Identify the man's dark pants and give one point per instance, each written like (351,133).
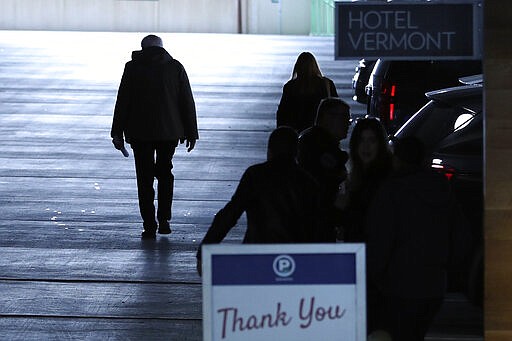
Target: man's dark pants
(147,169)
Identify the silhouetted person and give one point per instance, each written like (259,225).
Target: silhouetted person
(370,160)
(416,231)
(279,198)
(154,111)
(319,153)
(302,94)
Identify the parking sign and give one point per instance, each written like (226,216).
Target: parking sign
(284,292)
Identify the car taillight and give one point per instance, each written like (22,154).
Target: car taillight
(387,104)
(393,90)
(392,103)
(447,171)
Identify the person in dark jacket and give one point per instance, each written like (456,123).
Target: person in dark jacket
(370,159)
(319,153)
(416,231)
(154,111)
(302,94)
(279,198)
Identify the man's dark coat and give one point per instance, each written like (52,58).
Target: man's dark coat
(416,232)
(281,203)
(154,101)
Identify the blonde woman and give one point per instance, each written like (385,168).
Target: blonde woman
(302,94)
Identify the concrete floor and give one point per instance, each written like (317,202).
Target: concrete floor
(72,264)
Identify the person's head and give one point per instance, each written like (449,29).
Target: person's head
(333,114)
(282,144)
(368,144)
(408,154)
(306,66)
(150,41)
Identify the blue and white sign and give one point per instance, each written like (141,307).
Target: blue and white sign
(284,292)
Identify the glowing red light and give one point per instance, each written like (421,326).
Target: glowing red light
(392,105)
(447,171)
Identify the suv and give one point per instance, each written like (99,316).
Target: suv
(450,126)
(396,89)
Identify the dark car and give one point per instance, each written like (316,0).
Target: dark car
(396,89)
(450,126)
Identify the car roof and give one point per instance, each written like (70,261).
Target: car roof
(454,92)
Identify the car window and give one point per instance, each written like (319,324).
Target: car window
(436,121)
(467,139)
(473,146)
(462,121)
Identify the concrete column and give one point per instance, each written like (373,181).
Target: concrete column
(498,169)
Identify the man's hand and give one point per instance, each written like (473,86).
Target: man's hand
(191,143)
(118,142)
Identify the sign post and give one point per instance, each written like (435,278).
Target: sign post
(284,292)
(408,30)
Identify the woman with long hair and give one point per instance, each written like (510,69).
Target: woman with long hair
(302,94)
(370,161)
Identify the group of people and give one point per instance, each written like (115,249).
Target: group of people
(308,190)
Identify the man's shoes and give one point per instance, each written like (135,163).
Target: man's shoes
(164,228)
(146,234)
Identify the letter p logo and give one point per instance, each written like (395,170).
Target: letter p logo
(284,266)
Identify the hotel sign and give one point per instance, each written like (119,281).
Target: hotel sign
(408,30)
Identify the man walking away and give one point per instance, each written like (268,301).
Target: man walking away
(154,111)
